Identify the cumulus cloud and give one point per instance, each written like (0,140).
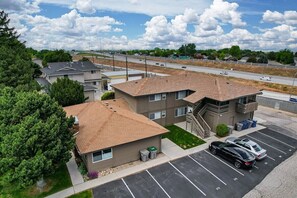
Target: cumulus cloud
(288,17)
(20,6)
(85,6)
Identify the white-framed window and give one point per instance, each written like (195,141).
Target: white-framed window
(155,97)
(242,100)
(102,155)
(93,72)
(180,95)
(163,114)
(181,111)
(163,96)
(155,115)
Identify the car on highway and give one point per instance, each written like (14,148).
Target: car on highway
(184,67)
(293,99)
(267,78)
(238,156)
(224,73)
(249,146)
(161,64)
(157,63)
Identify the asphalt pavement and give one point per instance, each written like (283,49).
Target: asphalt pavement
(203,174)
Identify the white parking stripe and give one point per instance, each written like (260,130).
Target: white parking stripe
(267,144)
(187,179)
(158,183)
(224,163)
(270,158)
(277,140)
(256,167)
(207,170)
(128,188)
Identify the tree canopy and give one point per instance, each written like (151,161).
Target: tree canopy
(55,56)
(67,92)
(285,56)
(187,49)
(16,67)
(108,95)
(235,52)
(35,136)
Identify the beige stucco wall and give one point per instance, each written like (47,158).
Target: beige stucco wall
(89,76)
(123,154)
(132,101)
(90,94)
(79,78)
(230,118)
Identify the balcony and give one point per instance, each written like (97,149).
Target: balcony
(246,108)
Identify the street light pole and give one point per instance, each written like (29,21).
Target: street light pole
(113,61)
(145,65)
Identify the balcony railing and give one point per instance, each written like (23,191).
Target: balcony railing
(246,108)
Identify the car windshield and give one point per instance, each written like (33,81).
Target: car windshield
(243,154)
(257,147)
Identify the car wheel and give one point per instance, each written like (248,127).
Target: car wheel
(237,164)
(213,151)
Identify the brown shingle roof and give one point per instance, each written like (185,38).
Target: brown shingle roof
(110,123)
(204,86)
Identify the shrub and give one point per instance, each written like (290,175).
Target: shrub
(108,95)
(222,130)
(82,169)
(93,175)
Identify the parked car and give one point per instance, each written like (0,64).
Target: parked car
(162,64)
(249,146)
(240,157)
(293,99)
(184,67)
(267,78)
(224,73)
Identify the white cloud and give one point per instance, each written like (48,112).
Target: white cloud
(288,18)
(20,6)
(85,6)
(117,30)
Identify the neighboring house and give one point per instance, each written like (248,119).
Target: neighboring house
(110,134)
(204,101)
(84,72)
(114,77)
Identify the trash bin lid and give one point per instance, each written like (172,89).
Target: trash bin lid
(144,152)
(152,148)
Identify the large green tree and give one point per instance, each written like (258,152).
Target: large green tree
(35,137)
(187,49)
(16,67)
(285,56)
(56,56)
(67,92)
(235,51)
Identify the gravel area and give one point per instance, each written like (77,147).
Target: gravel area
(282,181)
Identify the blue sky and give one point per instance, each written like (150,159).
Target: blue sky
(141,24)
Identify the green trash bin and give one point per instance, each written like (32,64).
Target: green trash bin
(153,152)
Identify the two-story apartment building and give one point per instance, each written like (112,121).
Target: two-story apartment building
(84,72)
(203,100)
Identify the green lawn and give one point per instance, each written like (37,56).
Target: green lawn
(56,182)
(84,194)
(182,138)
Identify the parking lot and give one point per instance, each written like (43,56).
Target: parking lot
(203,174)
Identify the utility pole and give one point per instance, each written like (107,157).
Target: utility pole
(295,75)
(126,69)
(113,61)
(145,65)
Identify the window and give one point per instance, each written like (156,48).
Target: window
(180,111)
(242,100)
(180,95)
(94,83)
(102,155)
(155,115)
(155,97)
(164,114)
(65,76)
(93,71)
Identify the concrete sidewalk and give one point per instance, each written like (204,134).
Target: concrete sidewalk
(171,151)
(76,177)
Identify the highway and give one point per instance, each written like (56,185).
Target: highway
(231,73)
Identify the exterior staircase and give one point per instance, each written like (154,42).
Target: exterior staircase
(198,124)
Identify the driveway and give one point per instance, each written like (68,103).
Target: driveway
(203,174)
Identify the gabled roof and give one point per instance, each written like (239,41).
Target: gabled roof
(110,123)
(68,68)
(204,86)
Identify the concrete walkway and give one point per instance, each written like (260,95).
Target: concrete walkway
(171,151)
(76,177)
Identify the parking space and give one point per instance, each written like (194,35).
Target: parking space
(203,174)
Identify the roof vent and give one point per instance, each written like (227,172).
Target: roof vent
(76,122)
(228,83)
(114,111)
(136,82)
(114,100)
(106,104)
